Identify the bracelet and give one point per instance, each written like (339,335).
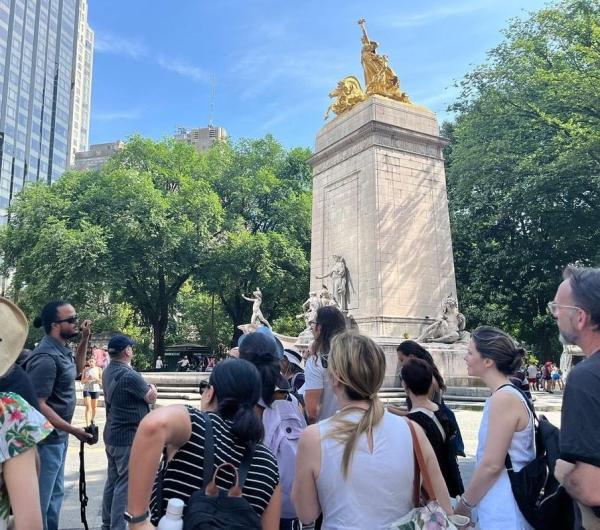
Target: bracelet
(464,501)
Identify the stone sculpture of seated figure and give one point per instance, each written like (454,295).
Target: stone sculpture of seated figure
(449,328)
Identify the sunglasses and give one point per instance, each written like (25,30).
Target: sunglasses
(70,320)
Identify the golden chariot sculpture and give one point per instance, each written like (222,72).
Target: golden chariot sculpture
(380,79)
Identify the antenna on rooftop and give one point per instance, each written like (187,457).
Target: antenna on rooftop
(211,106)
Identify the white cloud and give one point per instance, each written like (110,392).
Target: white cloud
(127,114)
(113,44)
(183,68)
(134,49)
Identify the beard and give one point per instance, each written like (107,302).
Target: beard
(67,336)
(568,338)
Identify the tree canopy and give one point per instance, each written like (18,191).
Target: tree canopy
(523,170)
(160,216)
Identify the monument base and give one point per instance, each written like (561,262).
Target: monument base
(449,358)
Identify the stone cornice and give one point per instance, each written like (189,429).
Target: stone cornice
(380,134)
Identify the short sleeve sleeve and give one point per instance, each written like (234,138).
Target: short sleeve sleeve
(41,369)
(135,385)
(580,418)
(21,426)
(313,375)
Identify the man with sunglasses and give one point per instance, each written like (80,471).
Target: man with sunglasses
(576,308)
(52,368)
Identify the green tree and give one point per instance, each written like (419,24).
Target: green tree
(523,170)
(135,231)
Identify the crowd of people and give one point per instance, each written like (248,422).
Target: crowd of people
(295,447)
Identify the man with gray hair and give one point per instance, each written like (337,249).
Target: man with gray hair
(576,308)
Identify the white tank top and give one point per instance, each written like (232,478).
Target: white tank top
(498,509)
(378,490)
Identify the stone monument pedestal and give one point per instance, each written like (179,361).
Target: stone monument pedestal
(379,201)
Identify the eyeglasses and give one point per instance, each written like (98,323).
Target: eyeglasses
(553,306)
(70,320)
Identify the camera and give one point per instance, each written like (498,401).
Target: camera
(92,429)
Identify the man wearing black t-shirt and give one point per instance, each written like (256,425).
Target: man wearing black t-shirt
(576,308)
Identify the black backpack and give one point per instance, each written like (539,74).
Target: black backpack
(212,508)
(542,500)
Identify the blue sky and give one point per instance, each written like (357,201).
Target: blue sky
(273,61)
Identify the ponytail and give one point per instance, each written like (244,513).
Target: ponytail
(237,389)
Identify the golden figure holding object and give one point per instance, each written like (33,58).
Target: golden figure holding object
(380,79)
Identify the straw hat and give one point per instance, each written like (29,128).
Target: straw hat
(13,333)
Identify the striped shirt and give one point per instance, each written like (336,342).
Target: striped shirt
(182,476)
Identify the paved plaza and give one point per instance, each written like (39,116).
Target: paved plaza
(95,458)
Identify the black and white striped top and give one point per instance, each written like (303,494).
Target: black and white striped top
(183,474)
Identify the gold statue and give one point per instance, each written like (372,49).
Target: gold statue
(380,80)
(348,94)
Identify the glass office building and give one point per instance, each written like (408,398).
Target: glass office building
(38,50)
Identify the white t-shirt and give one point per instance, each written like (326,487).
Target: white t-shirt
(159,364)
(532,371)
(316,379)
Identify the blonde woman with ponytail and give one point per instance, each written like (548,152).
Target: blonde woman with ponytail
(357,467)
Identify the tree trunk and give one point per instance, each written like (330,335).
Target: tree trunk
(159,328)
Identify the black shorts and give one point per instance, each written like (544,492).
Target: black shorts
(93,395)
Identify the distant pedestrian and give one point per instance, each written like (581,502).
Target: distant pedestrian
(532,371)
(576,308)
(158,365)
(127,398)
(52,370)
(92,384)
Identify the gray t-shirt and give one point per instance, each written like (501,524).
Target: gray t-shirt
(51,369)
(124,394)
(316,379)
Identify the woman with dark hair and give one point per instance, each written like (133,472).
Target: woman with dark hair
(417,377)
(353,467)
(506,429)
(409,349)
(230,398)
(319,399)
(281,415)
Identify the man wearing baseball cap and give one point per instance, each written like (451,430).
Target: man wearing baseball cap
(127,398)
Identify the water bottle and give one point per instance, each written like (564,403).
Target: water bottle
(172,520)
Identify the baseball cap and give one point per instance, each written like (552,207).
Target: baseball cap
(118,343)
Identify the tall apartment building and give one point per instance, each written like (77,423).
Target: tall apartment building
(201,139)
(79,132)
(38,55)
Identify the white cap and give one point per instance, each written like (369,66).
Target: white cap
(175,506)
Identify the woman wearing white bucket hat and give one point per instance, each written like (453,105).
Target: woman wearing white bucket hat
(21,428)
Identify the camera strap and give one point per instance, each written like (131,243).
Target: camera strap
(83,498)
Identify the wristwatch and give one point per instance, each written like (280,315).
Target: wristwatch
(133,519)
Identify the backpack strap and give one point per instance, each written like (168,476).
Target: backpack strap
(209,456)
(507,460)
(208,463)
